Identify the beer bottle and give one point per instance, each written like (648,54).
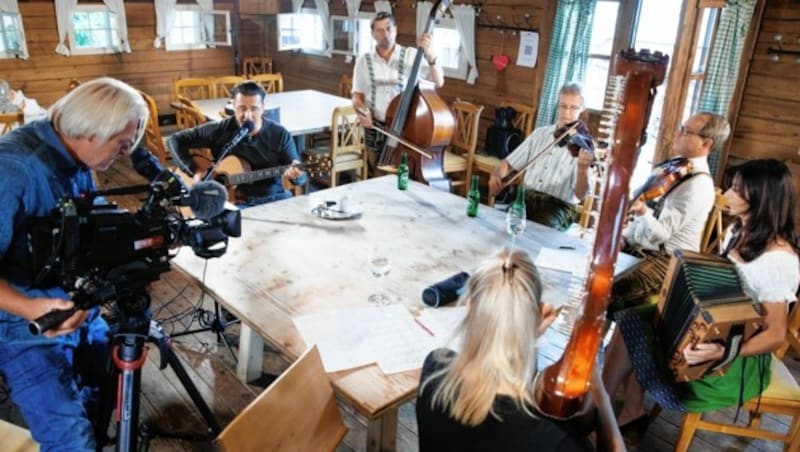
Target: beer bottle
(402,172)
(473,198)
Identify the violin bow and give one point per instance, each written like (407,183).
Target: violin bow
(510,180)
(402,141)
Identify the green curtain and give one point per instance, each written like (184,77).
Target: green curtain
(569,51)
(723,63)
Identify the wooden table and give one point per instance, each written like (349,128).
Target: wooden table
(289,262)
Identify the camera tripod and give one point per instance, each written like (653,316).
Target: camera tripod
(217,325)
(134,327)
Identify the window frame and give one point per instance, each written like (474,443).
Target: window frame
(461,71)
(200,43)
(298,48)
(111,47)
(355,46)
(19,35)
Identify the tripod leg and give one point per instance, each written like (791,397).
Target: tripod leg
(173,361)
(129,358)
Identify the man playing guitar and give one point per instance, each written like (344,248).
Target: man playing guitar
(267,145)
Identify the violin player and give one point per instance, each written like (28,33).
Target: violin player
(685,190)
(557,181)
(379,76)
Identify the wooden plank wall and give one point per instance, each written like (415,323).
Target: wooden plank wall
(768,125)
(45,75)
(516,83)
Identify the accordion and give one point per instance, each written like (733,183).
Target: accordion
(702,300)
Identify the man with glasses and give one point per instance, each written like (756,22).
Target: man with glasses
(676,219)
(267,145)
(41,163)
(556,181)
(379,76)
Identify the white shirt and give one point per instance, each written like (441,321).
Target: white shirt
(554,173)
(386,78)
(683,216)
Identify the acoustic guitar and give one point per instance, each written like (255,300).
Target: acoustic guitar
(233,171)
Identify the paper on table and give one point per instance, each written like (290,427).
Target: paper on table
(398,342)
(561,260)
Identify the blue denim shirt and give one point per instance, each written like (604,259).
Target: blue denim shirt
(35,172)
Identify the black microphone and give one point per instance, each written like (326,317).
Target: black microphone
(206,199)
(445,291)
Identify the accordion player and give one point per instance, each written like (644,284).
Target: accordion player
(702,300)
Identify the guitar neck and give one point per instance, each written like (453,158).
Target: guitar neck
(256,175)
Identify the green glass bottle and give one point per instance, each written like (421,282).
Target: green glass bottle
(473,198)
(402,172)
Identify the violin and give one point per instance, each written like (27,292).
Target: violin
(665,176)
(581,138)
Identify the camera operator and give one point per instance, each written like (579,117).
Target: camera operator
(40,163)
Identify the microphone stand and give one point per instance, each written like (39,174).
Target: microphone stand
(243,132)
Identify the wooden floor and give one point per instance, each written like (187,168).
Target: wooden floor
(164,401)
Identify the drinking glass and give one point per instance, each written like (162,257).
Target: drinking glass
(379,265)
(515,221)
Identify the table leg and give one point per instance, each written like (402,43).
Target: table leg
(251,354)
(382,432)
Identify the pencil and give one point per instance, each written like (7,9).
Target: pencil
(424,327)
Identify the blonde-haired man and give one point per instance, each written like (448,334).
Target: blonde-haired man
(40,163)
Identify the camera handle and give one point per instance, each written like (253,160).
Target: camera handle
(128,355)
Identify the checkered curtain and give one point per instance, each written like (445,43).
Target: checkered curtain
(569,52)
(723,62)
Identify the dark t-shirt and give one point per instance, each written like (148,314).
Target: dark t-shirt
(518,431)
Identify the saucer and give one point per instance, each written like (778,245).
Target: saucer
(330,211)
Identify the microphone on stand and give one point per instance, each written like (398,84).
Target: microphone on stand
(246,128)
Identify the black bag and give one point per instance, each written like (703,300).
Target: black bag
(502,137)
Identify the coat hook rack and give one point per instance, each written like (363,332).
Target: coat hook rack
(776,52)
(500,25)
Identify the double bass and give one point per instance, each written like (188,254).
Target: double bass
(420,118)
(559,390)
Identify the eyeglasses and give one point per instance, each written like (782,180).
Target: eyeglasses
(569,107)
(683,130)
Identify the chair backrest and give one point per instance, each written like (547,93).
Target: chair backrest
(188,114)
(712,234)
(468,117)
(73,83)
(8,120)
(193,88)
(792,333)
(256,65)
(224,85)
(152,133)
(272,83)
(523,119)
(297,411)
(346,85)
(346,133)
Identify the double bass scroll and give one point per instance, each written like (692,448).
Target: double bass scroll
(559,390)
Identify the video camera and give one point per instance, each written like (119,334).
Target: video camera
(99,252)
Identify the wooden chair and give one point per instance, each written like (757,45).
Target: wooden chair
(16,439)
(782,396)
(152,133)
(73,83)
(712,234)
(458,158)
(193,88)
(523,118)
(10,120)
(187,113)
(224,85)
(792,332)
(256,65)
(272,83)
(346,152)
(297,411)
(590,207)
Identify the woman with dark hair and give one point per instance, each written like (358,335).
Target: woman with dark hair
(763,244)
(481,398)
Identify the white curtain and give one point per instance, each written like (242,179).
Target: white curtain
(297,5)
(423,11)
(464,16)
(64,10)
(165,17)
(325,15)
(384,6)
(118,7)
(352,7)
(11,6)
(206,6)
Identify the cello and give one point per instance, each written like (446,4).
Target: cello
(419,116)
(560,388)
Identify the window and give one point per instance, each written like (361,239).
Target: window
(702,51)
(352,36)
(447,46)
(600,49)
(301,31)
(195,29)
(94,30)
(10,35)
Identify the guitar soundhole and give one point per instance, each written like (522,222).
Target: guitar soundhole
(222,179)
